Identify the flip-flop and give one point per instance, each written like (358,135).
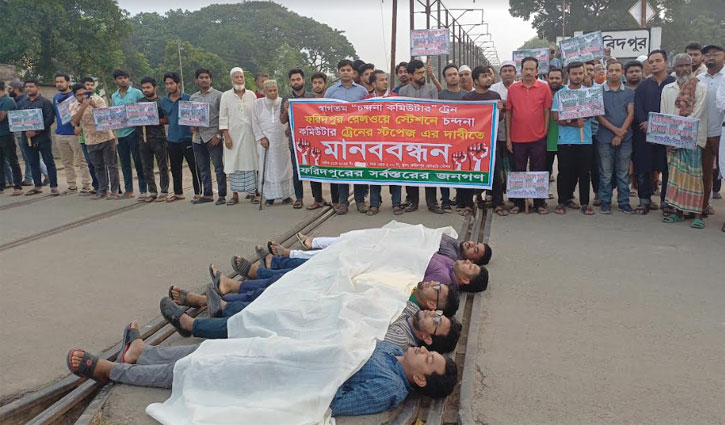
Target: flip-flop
(183,300)
(697,224)
(269,247)
(242,267)
(215,277)
(301,240)
(673,218)
(213,302)
(172,313)
(86,367)
(261,254)
(129,335)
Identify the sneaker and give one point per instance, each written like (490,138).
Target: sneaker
(605,209)
(626,209)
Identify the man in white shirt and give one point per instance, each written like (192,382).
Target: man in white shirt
(713,78)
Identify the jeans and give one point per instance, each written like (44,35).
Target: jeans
(177,152)
(343,192)
(204,154)
(595,177)
(251,289)
(497,183)
(9,159)
(446,196)
(103,158)
(216,328)
(45,150)
(575,162)
(150,150)
(154,367)
(127,148)
(296,182)
(413,196)
(530,156)
(644,186)
(91,169)
(614,160)
(26,158)
(8,173)
(376,198)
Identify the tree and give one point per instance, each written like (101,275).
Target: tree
(535,43)
(193,58)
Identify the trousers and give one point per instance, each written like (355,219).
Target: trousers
(154,367)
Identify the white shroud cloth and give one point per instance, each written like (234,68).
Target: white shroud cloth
(278,175)
(304,336)
(236,115)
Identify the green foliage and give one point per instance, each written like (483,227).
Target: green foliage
(535,43)
(192,59)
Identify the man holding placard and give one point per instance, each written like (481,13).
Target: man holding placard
(39,140)
(7,143)
(71,153)
(686,97)
(153,141)
(127,138)
(574,144)
(101,145)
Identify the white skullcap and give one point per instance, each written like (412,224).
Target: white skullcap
(235,70)
(464,68)
(641,58)
(506,63)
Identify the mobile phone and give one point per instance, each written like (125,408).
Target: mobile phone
(88,95)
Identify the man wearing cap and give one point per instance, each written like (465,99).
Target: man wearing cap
(465,73)
(507,72)
(713,79)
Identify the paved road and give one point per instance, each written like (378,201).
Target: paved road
(603,320)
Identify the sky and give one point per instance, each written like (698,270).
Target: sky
(367,23)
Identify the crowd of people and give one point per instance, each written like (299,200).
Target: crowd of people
(249,145)
(409,358)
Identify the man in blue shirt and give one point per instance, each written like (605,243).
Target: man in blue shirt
(128,139)
(70,150)
(347,89)
(614,139)
(179,138)
(574,147)
(7,143)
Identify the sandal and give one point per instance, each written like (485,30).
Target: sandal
(466,211)
(298,204)
(215,277)
(86,367)
(572,204)
(302,238)
(642,209)
(316,205)
(256,200)
(261,254)
(372,211)
(542,210)
(232,201)
(673,218)
(241,266)
(172,313)
(697,224)
(501,211)
(560,209)
(33,192)
(183,300)
(515,210)
(129,335)
(587,210)
(213,301)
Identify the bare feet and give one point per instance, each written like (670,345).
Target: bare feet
(252,274)
(190,299)
(227,285)
(278,249)
(187,322)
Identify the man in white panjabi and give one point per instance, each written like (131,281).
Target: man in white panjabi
(276,169)
(240,146)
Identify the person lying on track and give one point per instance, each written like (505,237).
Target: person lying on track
(382,383)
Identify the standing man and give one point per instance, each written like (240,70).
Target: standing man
(466,76)
(153,145)
(575,147)
(297,83)
(240,147)
(419,89)
(507,72)
(207,141)
(259,80)
(71,153)
(127,137)
(101,145)
(39,141)
(7,143)
(179,138)
(527,122)
(686,97)
(16,92)
(712,78)
(453,91)
(274,156)
(319,86)
(90,85)
(365,71)
(694,50)
(649,157)
(346,89)
(633,74)
(614,140)
(555,78)
(401,71)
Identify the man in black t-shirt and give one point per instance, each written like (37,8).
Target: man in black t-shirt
(153,144)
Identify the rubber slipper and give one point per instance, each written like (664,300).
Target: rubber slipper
(86,367)
(673,218)
(242,267)
(172,313)
(129,335)
(215,277)
(183,300)
(261,254)
(301,239)
(697,224)
(213,302)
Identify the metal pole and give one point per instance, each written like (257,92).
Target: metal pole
(427,26)
(644,13)
(412,15)
(454,45)
(563,18)
(440,63)
(448,56)
(393,74)
(181,68)
(460,43)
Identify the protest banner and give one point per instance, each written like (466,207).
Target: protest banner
(542,55)
(413,142)
(528,185)
(582,103)
(64,109)
(142,113)
(194,114)
(111,118)
(26,120)
(672,130)
(433,42)
(582,48)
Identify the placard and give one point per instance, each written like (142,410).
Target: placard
(527,185)
(142,113)
(582,103)
(582,48)
(193,114)
(111,118)
(433,42)
(26,120)
(542,55)
(64,109)
(414,142)
(628,43)
(672,130)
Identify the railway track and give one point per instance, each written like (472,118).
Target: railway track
(76,400)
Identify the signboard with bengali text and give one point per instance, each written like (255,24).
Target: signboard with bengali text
(433,42)
(193,114)
(142,113)
(582,48)
(413,142)
(64,109)
(672,130)
(26,120)
(542,55)
(528,185)
(111,118)
(582,103)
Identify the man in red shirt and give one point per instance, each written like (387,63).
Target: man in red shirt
(527,122)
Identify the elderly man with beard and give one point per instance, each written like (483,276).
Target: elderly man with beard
(240,147)
(466,75)
(686,97)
